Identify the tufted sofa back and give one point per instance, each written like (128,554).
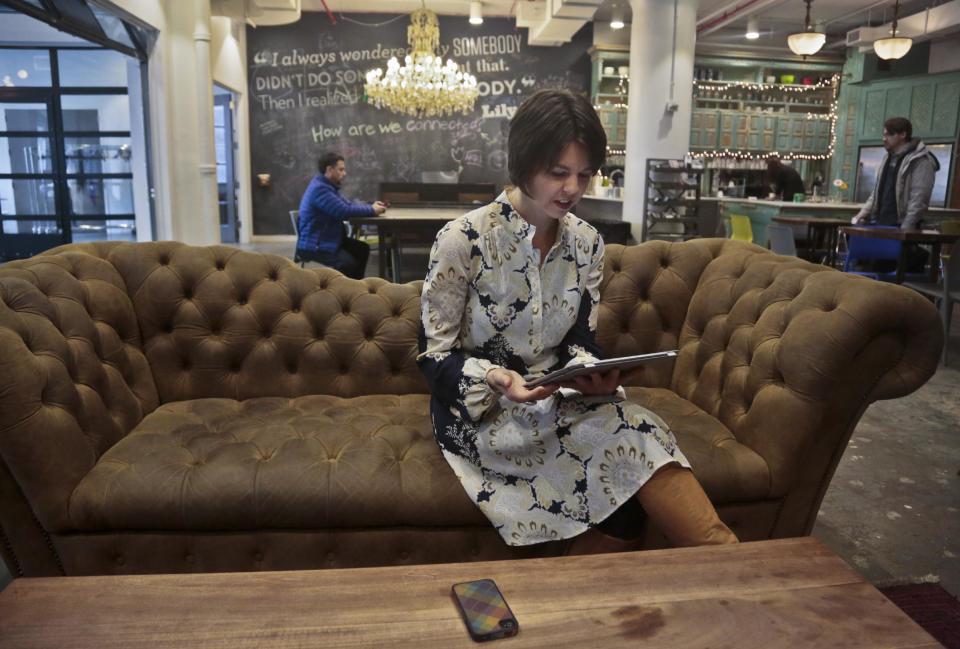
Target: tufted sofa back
(73,377)
(764,338)
(217,321)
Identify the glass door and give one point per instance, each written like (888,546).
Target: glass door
(31,214)
(226,176)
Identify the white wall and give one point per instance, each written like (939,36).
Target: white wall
(228,49)
(181,134)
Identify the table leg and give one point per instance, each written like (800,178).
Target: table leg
(382,250)
(901,263)
(935,262)
(833,242)
(395,260)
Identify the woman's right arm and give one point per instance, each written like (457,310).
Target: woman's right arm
(457,380)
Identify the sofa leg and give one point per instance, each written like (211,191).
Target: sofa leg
(678,506)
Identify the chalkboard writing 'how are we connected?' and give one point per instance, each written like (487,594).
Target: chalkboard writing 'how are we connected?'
(306,97)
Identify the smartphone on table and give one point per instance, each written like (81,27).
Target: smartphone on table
(484,610)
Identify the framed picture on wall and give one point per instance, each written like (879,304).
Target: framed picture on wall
(871,157)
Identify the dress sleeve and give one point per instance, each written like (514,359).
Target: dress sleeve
(580,342)
(456,379)
(579,345)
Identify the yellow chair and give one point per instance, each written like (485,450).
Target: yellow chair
(950,226)
(740,229)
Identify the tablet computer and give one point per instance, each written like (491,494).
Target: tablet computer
(605,365)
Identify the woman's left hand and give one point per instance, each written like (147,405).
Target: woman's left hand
(595,383)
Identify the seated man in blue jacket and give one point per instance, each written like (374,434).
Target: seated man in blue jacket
(323,212)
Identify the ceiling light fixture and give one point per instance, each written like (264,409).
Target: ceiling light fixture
(894,47)
(476,13)
(616,18)
(753,29)
(423,86)
(808,41)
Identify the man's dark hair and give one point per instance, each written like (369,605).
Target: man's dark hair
(329,159)
(896,125)
(544,125)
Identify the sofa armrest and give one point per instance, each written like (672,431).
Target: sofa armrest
(784,352)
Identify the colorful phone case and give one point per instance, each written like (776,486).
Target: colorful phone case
(485,610)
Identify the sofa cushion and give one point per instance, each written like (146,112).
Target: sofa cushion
(729,471)
(325,461)
(276,463)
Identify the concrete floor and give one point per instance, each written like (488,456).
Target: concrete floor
(891,511)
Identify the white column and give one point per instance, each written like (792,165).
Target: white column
(183,127)
(207,158)
(659,74)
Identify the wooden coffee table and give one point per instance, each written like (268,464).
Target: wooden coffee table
(785,593)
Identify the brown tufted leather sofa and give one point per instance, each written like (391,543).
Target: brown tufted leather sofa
(167,408)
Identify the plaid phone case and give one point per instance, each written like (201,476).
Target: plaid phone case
(483,607)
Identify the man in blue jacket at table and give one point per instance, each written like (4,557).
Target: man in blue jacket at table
(323,213)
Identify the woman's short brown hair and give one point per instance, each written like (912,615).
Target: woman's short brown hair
(546,122)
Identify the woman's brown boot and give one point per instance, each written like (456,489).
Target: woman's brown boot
(678,506)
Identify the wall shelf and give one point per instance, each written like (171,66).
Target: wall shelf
(671,201)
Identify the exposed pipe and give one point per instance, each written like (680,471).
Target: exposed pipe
(741,10)
(718,12)
(857,12)
(333,20)
(673,59)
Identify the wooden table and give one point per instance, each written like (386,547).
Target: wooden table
(785,593)
(828,227)
(909,237)
(420,224)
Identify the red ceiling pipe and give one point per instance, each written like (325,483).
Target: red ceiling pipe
(330,15)
(726,15)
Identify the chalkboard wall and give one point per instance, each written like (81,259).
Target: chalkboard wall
(306,97)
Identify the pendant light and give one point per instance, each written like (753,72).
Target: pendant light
(808,41)
(616,18)
(476,13)
(894,47)
(753,29)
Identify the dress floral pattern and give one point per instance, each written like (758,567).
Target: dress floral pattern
(539,471)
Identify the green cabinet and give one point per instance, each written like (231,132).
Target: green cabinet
(759,118)
(614,121)
(608,88)
(704,127)
(758,132)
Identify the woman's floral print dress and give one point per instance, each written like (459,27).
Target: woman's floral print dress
(539,471)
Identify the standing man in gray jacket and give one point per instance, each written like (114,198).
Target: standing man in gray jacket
(904,182)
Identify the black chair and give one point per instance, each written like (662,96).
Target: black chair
(295,222)
(946,292)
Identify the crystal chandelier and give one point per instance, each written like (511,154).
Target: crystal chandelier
(423,86)
(808,41)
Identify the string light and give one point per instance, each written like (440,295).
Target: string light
(750,85)
(832,116)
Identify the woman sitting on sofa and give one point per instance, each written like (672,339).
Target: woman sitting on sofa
(512,290)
